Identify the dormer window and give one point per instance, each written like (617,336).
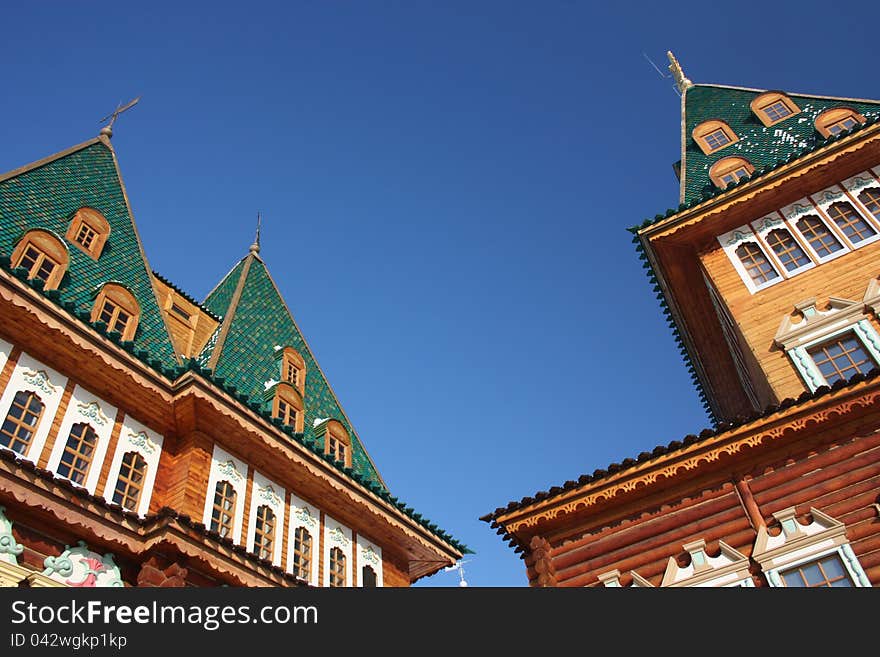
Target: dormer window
(773,107)
(287,406)
(712,136)
(88,231)
(118,309)
(837,120)
(293,369)
(730,170)
(337,442)
(43,255)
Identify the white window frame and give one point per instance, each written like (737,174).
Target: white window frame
(855,186)
(265,492)
(731,240)
(303,514)
(337,535)
(831,195)
(805,364)
(225,467)
(767,225)
(135,437)
(729,569)
(367,552)
(796,211)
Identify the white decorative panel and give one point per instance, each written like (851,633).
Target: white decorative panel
(303,514)
(225,467)
(85,407)
(5,350)
(135,437)
(369,554)
(336,535)
(267,493)
(31,375)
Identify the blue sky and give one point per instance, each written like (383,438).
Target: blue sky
(445,190)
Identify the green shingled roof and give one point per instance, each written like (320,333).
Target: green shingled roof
(761,145)
(257,326)
(46,196)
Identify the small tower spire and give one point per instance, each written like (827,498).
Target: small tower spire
(255,247)
(675,68)
(107,130)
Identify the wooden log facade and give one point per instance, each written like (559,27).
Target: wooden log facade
(785,490)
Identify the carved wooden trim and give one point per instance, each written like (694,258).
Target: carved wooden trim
(541,552)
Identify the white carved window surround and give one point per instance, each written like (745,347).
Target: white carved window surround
(135,437)
(308,518)
(797,544)
(30,375)
(369,554)
(611,579)
(85,408)
(840,196)
(336,535)
(729,569)
(734,242)
(842,318)
(225,467)
(265,492)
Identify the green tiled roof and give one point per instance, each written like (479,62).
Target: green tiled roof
(763,146)
(260,325)
(46,196)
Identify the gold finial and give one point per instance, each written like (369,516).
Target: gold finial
(255,247)
(675,68)
(107,130)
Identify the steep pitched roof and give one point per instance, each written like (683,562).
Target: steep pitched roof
(763,146)
(45,195)
(245,350)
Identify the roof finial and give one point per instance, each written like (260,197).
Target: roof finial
(680,80)
(255,247)
(107,130)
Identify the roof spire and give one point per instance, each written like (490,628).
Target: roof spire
(107,130)
(255,247)
(680,80)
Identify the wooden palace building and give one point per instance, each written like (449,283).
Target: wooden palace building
(769,274)
(149,439)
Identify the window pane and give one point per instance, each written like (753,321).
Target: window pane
(757,266)
(851,222)
(819,236)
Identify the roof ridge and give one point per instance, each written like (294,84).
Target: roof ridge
(186,296)
(789,93)
(233,306)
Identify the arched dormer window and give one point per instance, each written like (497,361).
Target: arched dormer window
(288,406)
(88,231)
(43,255)
(729,170)
(712,136)
(337,442)
(837,120)
(773,106)
(118,309)
(293,369)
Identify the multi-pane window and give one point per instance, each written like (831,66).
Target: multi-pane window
(264,532)
(776,111)
(871,200)
(78,453)
(759,269)
(786,248)
(819,236)
(38,263)
(850,222)
(21,421)
(223,511)
(842,125)
(337,567)
(337,448)
(734,176)
(113,316)
(130,482)
(286,412)
(716,139)
(368,577)
(828,571)
(841,358)
(291,373)
(302,553)
(85,236)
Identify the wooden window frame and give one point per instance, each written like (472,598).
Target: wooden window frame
(727,165)
(336,436)
(834,116)
(125,478)
(223,512)
(264,539)
(767,259)
(832,230)
(817,561)
(97,223)
(50,248)
(706,128)
(760,104)
(303,552)
(874,198)
(287,395)
(836,340)
(336,568)
(19,422)
(291,358)
(859,216)
(123,299)
(77,454)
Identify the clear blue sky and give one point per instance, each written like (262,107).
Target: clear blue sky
(445,189)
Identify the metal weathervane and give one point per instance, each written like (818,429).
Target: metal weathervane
(107,130)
